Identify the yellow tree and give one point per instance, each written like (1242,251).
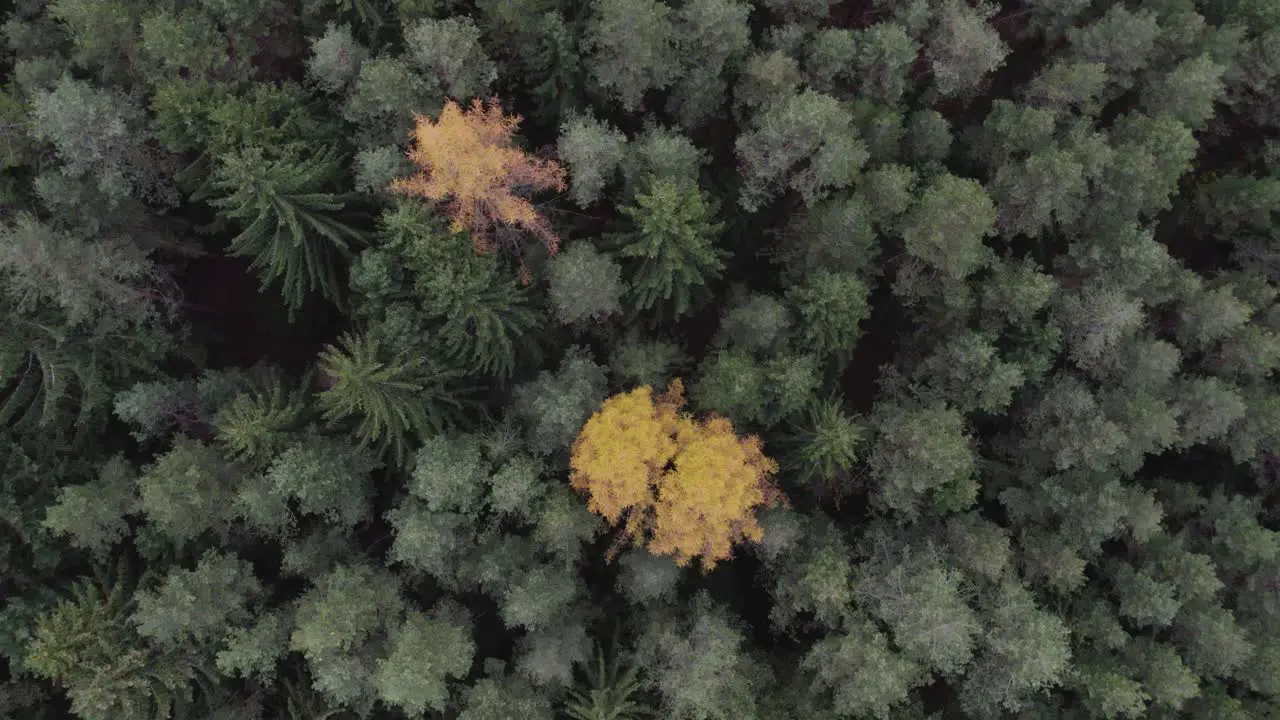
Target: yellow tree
(685,487)
(467,162)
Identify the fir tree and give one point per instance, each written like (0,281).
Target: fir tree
(291,229)
(672,250)
(394,400)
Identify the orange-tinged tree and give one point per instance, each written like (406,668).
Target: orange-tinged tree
(467,161)
(685,487)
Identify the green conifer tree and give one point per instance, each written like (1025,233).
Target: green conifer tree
(290,226)
(394,400)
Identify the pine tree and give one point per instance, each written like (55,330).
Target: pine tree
(608,690)
(393,400)
(87,646)
(825,445)
(257,424)
(424,290)
(291,229)
(672,250)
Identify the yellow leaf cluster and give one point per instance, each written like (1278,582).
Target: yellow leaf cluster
(467,161)
(688,488)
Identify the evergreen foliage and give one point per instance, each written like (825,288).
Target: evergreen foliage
(290,226)
(990,290)
(393,400)
(671,252)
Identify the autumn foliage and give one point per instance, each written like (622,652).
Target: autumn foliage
(685,487)
(467,161)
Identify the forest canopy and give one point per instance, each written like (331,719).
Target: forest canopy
(621,359)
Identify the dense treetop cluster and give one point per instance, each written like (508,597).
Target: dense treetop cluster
(619,359)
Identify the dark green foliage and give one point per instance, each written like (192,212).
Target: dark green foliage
(554,407)
(197,605)
(187,41)
(995,285)
(804,143)
(946,227)
(764,76)
(426,652)
(95,513)
(585,284)
(383,98)
(608,690)
(449,51)
(593,151)
(963,47)
(289,224)
(968,372)
(698,665)
(831,307)
(393,400)
(114,155)
(672,251)
(325,478)
(83,317)
(904,587)
(87,646)
(840,234)
(660,154)
(826,444)
(425,291)
(630,49)
(256,424)
(712,35)
(645,363)
(1025,651)
(755,390)
(335,59)
(504,697)
(860,672)
(922,456)
(188,490)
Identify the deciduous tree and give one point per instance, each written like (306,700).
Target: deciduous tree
(384,98)
(806,143)
(95,514)
(630,48)
(467,161)
(553,407)
(335,59)
(1025,650)
(594,152)
(922,456)
(699,666)
(699,508)
(910,589)
(946,228)
(198,605)
(449,52)
(426,653)
(963,47)
(584,284)
(98,134)
(859,670)
(189,490)
(325,477)
(711,37)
